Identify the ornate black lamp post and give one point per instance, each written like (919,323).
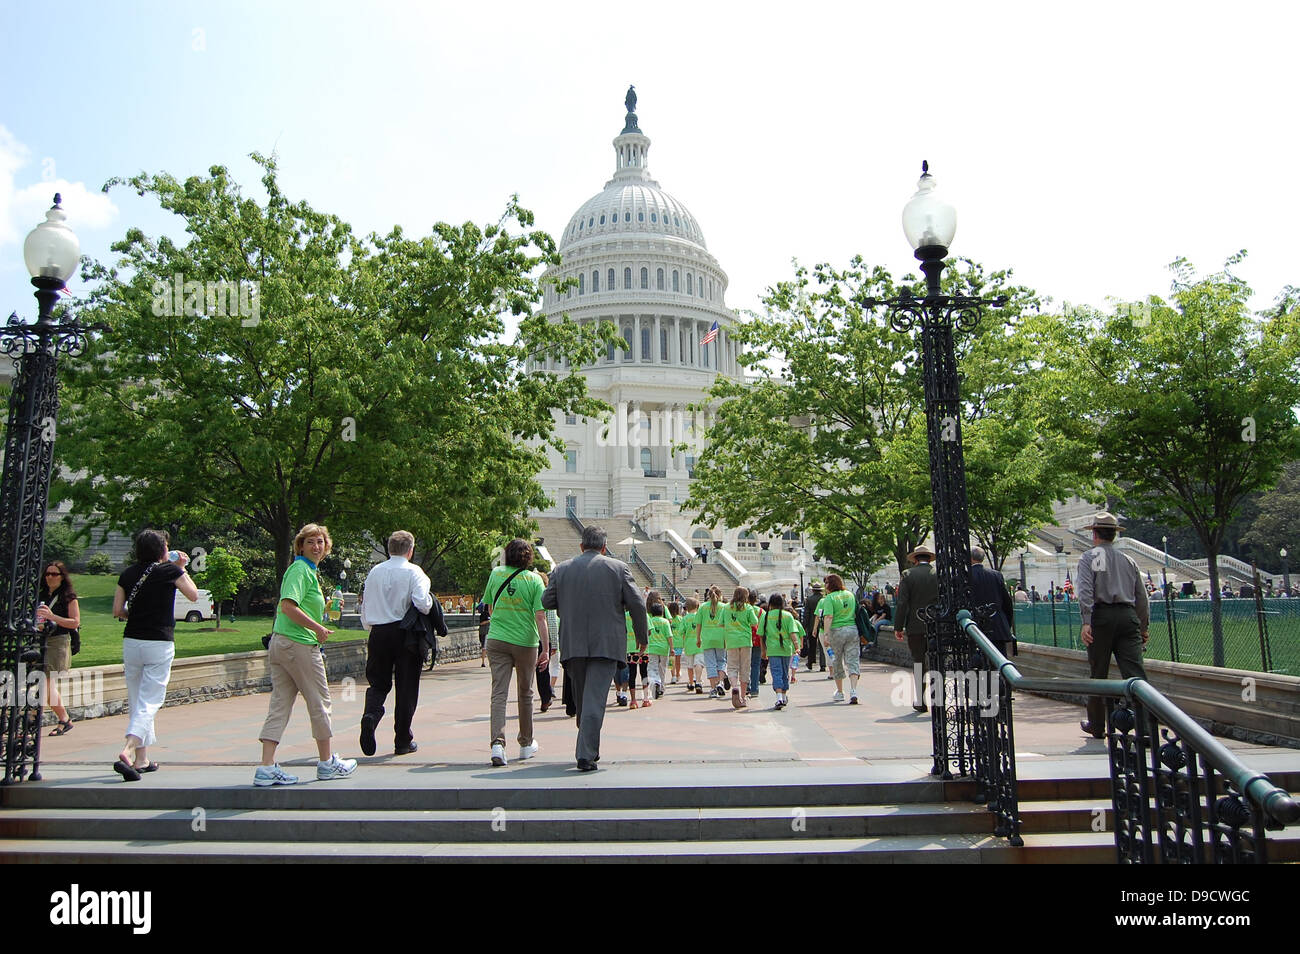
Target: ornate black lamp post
(930,224)
(52,253)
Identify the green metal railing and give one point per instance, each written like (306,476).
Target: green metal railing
(1173,784)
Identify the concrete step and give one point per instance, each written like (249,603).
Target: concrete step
(500,824)
(563,792)
(1083,848)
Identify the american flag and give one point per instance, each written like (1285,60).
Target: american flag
(713,333)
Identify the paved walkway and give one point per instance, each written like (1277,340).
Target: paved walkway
(451,727)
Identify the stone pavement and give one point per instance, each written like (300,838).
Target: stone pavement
(451,727)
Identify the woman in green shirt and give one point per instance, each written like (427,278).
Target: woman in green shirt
(741,618)
(297,667)
(839,633)
(518,641)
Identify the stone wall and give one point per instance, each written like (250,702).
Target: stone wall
(1252,706)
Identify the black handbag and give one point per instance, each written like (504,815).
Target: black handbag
(74,637)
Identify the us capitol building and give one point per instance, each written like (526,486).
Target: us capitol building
(635,256)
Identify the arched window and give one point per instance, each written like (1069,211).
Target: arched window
(602,218)
(645,278)
(640,216)
(663,344)
(701,534)
(595,281)
(690,284)
(746,541)
(609,351)
(701,286)
(627,216)
(591,221)
(609,280)
(627,278)
(654,217)
(645,344)
(659,279)
(677,280)
(582,284)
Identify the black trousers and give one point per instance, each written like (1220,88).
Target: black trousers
(544,691)
(1115,630)
(566,693)
(388,661)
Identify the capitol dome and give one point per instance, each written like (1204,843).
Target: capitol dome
(635,257)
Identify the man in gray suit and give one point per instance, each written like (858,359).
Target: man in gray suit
(591,592)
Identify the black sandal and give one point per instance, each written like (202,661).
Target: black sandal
(63,728)
(128,773)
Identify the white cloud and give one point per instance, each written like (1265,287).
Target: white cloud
(21,209)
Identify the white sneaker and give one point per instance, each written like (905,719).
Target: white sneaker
(335,768)
(838,697)
(498,755)
(273,775)
(527,751)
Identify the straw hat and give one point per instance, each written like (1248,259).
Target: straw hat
(1103,519)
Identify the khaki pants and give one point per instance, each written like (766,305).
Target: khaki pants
(296,668)
(502,659)
(738,666)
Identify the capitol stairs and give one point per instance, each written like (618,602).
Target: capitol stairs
(563,540)
(628,812)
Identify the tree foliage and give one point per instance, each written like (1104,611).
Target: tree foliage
(222,577)
(370,391)
(830,437)
(1190,403)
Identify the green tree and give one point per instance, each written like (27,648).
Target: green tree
(62,543)
(222,577)
(1190,403)
(1277,524)
(831,437)
(364,387)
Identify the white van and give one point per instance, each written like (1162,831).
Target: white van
(194,611)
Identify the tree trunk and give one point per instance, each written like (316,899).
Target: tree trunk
(1216,604)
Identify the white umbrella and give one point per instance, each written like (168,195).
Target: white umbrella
(629,542)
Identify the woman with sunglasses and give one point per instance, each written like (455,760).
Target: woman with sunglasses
(60,609)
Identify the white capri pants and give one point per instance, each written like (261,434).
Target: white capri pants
(146,667)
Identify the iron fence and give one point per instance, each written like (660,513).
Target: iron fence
(1260,635)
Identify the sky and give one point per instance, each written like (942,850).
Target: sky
(1084,146)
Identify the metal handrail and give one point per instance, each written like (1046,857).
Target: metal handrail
(573,519)
(636,557)
(1276,804)
(674,593)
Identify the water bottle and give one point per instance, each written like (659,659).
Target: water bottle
(830,655)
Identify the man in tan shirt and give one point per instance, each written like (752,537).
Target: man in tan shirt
(1114,611)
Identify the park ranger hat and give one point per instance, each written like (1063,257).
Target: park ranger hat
(922,550)
(1103,519)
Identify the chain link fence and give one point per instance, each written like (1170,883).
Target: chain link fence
(1258,635)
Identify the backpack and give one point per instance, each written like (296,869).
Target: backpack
(862,619)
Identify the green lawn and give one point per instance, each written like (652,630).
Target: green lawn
(1194,636)
(101,635)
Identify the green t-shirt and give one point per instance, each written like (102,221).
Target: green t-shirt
(514,618)
(777,630)
(740,626)
(686,637)
(661,631)
(839,606)
(301,585)
(712,625)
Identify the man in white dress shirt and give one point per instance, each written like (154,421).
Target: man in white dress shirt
(391,589)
